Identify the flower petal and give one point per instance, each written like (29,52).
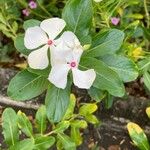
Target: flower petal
(77,52)
(53,27)
(70,39)
(38,59)
(35,37)
(58,75)
(83,79)
(60,55)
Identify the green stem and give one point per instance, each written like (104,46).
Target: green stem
(43,8)
(38,15)
(147,13)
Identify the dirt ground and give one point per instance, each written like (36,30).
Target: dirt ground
(112,133)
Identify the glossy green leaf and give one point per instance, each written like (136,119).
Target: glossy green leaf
(66,141)
(135,16)
(57,101)
(41,119)
(10,127)
(144,64)
(31,23)
(76,136)
(71,107)
(123,66)
(108,42)
(92,119)
(24,124)
(26,85)
(27,144)
(109,99)
(148,112)
(44,72)
(96,94)
(15,26)
(44,143)
(79,124)
(19,45)
(138,136)
(146,77)
(2,18)
(61,127)
(75,14)
(87,109)
(106,78)
(146,32)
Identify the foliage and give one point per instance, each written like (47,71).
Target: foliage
(117,51)
(137,134)
(41,133)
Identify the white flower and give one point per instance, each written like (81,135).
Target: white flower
(42,37)
(65,57)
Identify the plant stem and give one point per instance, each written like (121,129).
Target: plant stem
(43,8)
(147,13)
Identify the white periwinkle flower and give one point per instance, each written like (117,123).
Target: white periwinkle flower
(65,57)
(41,38)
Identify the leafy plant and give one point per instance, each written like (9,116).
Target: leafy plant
(43,134)
(137,134)
(103,46)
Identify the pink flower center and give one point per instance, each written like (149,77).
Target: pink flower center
(73,64)
(49,42)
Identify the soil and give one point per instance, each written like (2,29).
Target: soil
(112,133)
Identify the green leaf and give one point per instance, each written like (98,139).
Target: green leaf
(71,107)
(44,72)
(31,23)
(75,14)
(87,109)
(10,127)
(66,141)
(76,136)
(2,19)
(123,66)
(9,34)
(3,27)
(108,101)
(106,78)
(15,26)
(96,94)
(44,143)
(41,119)
(24,124)
(108,42)
(61,127)
(26,85)
(146,77)
(146,33)
(135,16)
(144,64)
(57,101)
(27,144)
(92,119)
(19,45)
(148,112)
(138,136)
(79,124)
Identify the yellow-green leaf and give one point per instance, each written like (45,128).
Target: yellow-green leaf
(138,136)
(87,109)
(148,112)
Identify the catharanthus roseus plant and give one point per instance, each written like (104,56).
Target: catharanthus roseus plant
(65,53)
(57,59)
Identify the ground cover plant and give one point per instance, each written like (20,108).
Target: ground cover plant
(64,47)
